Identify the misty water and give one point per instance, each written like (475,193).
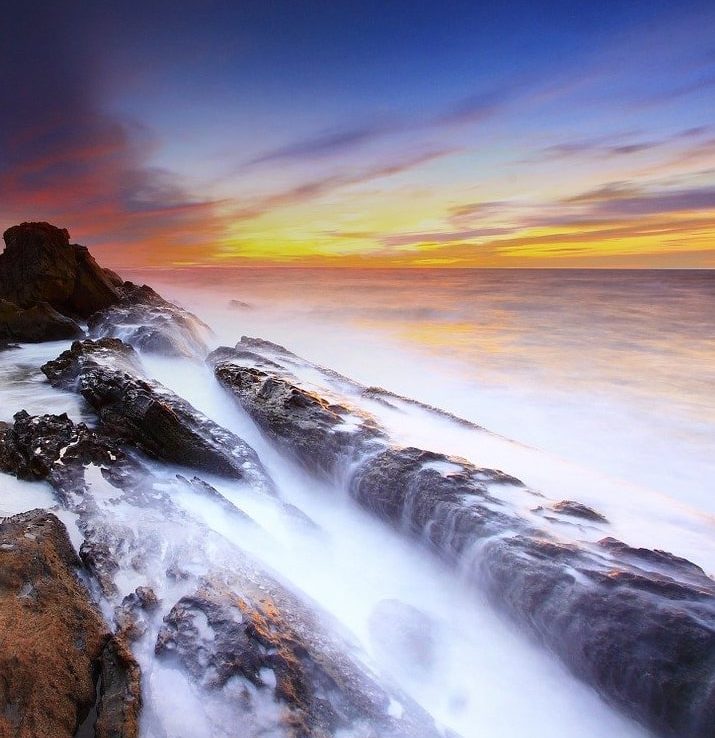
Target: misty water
(598,387)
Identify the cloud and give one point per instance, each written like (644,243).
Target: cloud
(315,188)
(64,158)
(414,239)
(614,145)
(324,144)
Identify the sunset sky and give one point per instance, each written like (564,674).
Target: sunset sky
(361,133)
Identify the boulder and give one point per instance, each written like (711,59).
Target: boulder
(53,641)
(40,264)
(260,635)
(41,322)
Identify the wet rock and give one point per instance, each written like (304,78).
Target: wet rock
(152,324)
(651,653)
(40,322)
(578,510)
(53,640)
(147,415)
(40,264)
(232,631)
(403,635)
(639,626)
(120,699)
(322,435)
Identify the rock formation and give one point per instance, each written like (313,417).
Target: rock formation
(40,264)
(643,636)
(53,641)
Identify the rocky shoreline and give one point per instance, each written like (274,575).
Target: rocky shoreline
(636,624)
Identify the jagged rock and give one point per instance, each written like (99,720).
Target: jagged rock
(40,264)
(41,322)
(52,639)
(578,510)
(152,324)
(120,699)
(268,639)
(147,415)
(322,435)
(643,635)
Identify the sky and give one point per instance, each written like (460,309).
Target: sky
(366,134)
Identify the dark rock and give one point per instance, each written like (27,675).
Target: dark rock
(323,436)
(150,417)
(268,639)
(120,700)
(645,639)
(40,264)
(578,510)
(53,640)
(41,322)
(152,324)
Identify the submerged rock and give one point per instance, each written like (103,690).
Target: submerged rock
(578,510)
(152,324)
(41,322)
(53,641)
(232,632)
(40,264)
(643,635)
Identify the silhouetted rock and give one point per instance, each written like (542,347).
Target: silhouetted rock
(40,264)
(54,641)
(150,323)
(41,322)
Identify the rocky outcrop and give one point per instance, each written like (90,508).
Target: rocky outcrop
(107,374)
(53,641)
(270,641)
(241,637)
(34,324)
(150,323)
(40,264)
(639,626)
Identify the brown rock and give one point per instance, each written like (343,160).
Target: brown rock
(40,264)
(51,634)
(53,641)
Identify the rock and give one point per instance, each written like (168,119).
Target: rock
(403,635)
(239,305)
(322,435)
(578,510)
(41,322)
(147,415)
(40,264)
(52,638)
(241,634)
(277,649)
(639,627)
(151,324)
(120,700)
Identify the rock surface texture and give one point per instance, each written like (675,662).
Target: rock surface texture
(638,625)
(53,641)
